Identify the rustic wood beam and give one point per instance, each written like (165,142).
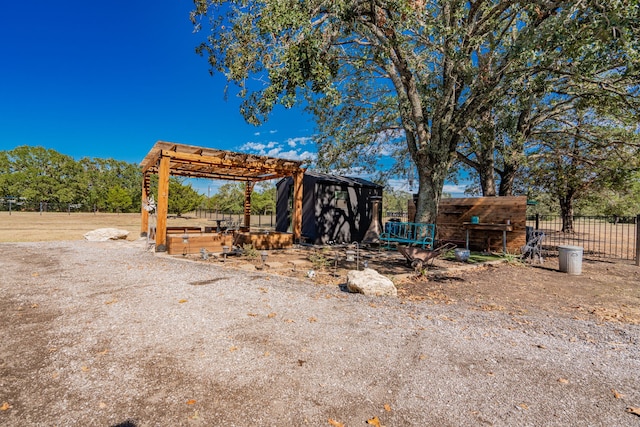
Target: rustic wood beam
(297,205)
(248,189)
(241,163)
(162,204)
(144,223)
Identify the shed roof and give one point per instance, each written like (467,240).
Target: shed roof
(345,180)
(201,162)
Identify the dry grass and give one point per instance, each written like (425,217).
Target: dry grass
(598,238)
(49,226)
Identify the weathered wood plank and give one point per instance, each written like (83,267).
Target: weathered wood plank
(490,210)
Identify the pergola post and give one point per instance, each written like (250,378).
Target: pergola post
(170,159)
(162,204)
(248,189)
(144,223)
(297,205)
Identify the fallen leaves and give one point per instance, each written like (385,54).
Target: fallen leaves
(632,410)
(5,406)
(616,394)
(563,381)
(375,421)
(387,407)
(191,402)
(182,301)
(492,307)
(335,423)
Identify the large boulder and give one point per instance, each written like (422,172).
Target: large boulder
(370,282)
(104,234)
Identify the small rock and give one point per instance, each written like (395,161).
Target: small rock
(370,282)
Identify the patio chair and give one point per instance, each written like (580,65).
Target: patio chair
(533,249)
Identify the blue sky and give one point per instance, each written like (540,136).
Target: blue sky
(109,79)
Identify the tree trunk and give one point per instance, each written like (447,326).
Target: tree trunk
(487,178)
(486,154)
(431,176)
(513,157)
(566,211)
(507,179)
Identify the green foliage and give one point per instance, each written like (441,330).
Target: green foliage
(249,251)
(588,154)
(623,202)
(37,174)
(263,202)
(118,199)
(182,198)
(410,79)
(395,200)
(320,259)
(228,199)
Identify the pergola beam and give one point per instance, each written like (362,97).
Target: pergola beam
(166,159)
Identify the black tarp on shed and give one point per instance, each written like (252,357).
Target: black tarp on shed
(334,208)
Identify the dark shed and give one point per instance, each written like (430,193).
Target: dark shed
(334,208)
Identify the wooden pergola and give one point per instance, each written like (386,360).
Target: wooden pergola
(167,158)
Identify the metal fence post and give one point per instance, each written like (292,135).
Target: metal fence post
(638,240)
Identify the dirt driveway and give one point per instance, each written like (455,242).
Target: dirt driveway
(109,334)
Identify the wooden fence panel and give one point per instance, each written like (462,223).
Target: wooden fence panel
(453,213)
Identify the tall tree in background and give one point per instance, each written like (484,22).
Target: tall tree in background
(182,197)
(592,66)
(400,77)
(263,199)
(584,152)
(228,199)
(40,175)
(118,199)
(102,174)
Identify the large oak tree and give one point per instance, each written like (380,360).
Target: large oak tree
(408,78)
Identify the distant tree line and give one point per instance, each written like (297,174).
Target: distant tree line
(33,178)
(38,176)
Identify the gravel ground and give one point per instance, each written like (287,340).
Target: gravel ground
(107,334)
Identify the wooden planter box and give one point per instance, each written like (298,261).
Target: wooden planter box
(212,242)
(270,240)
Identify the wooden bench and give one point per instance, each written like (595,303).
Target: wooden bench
(411,233)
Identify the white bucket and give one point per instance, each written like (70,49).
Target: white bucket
(570,259)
